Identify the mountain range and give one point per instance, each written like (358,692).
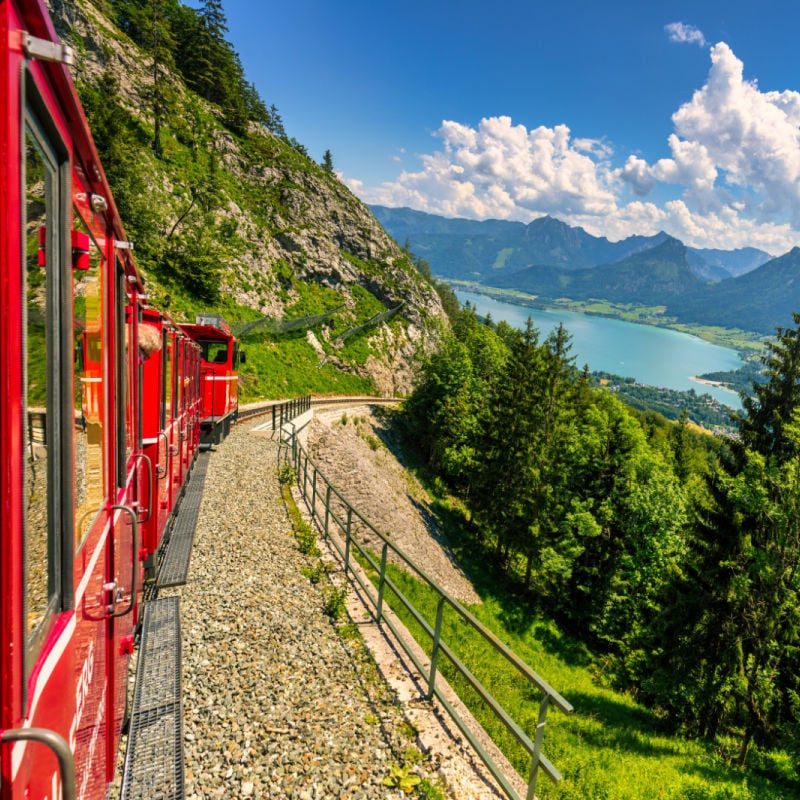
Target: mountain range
(744,288)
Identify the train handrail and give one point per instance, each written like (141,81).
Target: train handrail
(135,564)
(60,748)
(150,492)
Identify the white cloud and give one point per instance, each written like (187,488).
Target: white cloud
(734,165)
(685,34)
(736,146)
(503,170)
(638,175)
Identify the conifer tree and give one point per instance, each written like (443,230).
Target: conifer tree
(733,615)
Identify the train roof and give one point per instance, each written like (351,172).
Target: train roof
(205,332)
(85,159)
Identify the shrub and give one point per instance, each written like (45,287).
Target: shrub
(335,602)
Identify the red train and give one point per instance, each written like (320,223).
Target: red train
(219,379)
(103,403)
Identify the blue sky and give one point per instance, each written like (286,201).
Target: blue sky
(622,117)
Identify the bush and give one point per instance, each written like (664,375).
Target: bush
(287,475)
(307,538)
(335,602)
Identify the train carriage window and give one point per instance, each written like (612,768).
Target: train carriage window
(125,367)
(89,388)
(45,170)
(169,379)
(215,352)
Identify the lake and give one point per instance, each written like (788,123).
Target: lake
(655,356)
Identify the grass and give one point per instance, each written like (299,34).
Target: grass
(611,747)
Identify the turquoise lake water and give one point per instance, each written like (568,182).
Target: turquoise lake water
(655,356)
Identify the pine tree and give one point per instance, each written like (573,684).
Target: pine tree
(772,404)
(327,161)
(733,615)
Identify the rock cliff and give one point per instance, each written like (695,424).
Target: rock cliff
(293,232)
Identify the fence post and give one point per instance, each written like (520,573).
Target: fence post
(273,417)
(327,507)
(537,746)
(382,582)
(314,514)
(437,634)
(347,540)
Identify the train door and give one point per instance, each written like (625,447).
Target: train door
(183,444)
(129,479)
(172,412)
(196,388)
(150,427)
(100,588)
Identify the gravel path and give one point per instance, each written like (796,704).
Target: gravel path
(278,704)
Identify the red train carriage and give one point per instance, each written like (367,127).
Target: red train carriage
(219,379)
(100,407)
(169,380)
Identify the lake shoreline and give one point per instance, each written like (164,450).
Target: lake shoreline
(719,384)
(655,356)
(746,343)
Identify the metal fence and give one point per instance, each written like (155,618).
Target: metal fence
(332,512)
(281,412)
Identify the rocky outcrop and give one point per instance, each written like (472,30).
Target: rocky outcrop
(295,223)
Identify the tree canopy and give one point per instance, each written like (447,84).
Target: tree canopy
(675,556)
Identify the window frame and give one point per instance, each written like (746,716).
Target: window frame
(37,123)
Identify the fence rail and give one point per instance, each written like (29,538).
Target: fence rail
(328,508)
(281,412)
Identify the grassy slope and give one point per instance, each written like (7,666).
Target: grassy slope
(611,747)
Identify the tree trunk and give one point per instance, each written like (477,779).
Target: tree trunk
(746,742)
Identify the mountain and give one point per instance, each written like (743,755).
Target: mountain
(474,250)
(653,277)
(228,213)
(760,300)
(728,263)
(469,249)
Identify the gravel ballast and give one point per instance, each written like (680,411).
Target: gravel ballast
(277,703)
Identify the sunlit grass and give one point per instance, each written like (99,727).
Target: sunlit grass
(611,746)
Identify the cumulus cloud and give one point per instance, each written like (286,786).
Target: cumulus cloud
(504,170)
(733,170)
(736,145)
(638,175)
(685,34)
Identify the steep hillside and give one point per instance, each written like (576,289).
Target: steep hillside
(229,215)
(760,301)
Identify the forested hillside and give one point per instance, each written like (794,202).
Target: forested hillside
(673,556)
(227,212)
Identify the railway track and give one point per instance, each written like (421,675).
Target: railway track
(256,409)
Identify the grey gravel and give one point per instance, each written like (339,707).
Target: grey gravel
(277,704)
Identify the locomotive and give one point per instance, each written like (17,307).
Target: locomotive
(104,402)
